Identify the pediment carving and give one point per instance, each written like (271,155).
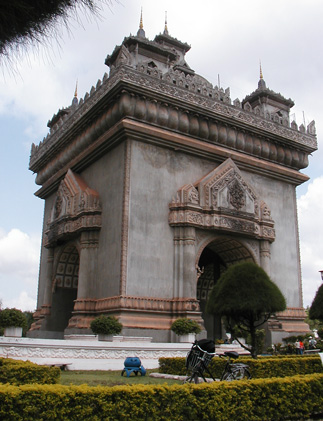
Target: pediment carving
(223,200)
(76,208)
(124,57)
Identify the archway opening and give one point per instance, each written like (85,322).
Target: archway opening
(214,260)
(64,289)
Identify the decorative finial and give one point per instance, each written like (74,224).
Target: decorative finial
(261,83)
(75,101)
(141,25)
(141,32)
(166,29)
(261,76)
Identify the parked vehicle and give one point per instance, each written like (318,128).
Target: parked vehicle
(200,356)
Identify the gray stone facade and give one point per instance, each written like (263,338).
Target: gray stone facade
(153,184)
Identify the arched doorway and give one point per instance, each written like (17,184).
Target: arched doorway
(64,289)
(213,261)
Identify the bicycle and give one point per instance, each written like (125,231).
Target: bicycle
(198,359)
(201,354)
(234,371)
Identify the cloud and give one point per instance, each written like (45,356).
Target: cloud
(19,254)
(19,266)
(23,302)
(310,210)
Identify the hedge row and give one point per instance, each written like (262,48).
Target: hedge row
(18,372)
(259,368)
(298,397)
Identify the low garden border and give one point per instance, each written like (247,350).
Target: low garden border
(18,372)
(262,367)
(292,398)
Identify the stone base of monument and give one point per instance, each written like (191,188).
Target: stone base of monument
(91,354)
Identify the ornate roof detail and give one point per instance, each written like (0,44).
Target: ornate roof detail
(223,201)
(57,117)
(267,103)
(263,91)
(165,50)
(155,72)
(123,57)
(76,208)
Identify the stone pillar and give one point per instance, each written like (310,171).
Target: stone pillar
(184,263)
(178,263)
(47,299)
(265,256)
(88,264)
(189,270)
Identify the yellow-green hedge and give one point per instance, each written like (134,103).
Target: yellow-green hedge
(293,398)
(259,368)
(24,372)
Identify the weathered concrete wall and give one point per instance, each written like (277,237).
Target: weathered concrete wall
(156,175)
(106,176)
(284,262)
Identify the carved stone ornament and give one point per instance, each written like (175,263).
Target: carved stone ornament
(76,208)
(127,302)
(223,201)
(187,89)
(124,57)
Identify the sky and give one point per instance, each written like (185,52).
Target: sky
(228,41)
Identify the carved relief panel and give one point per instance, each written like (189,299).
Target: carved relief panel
(223,201)
(76,208)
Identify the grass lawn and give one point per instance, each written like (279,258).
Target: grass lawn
(110,378)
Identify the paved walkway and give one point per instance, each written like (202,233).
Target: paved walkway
(175,377)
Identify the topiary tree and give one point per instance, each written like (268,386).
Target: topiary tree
(183,326)
(12,317)
(106,325)
(316,309)
(246,297)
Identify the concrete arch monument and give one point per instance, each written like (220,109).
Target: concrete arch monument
(150,167)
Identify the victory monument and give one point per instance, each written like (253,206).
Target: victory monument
(153,184)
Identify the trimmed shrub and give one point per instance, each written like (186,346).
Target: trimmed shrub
(18,372)
(11,317)
(293,398)
(184,326)
(264,367)
(106,325)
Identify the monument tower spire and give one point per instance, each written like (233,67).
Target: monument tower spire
(166,29)
(261,83)
(75,99)
(261,75)
(141,33)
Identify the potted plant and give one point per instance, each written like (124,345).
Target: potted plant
(13,321)
(186,329)
(105,327)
